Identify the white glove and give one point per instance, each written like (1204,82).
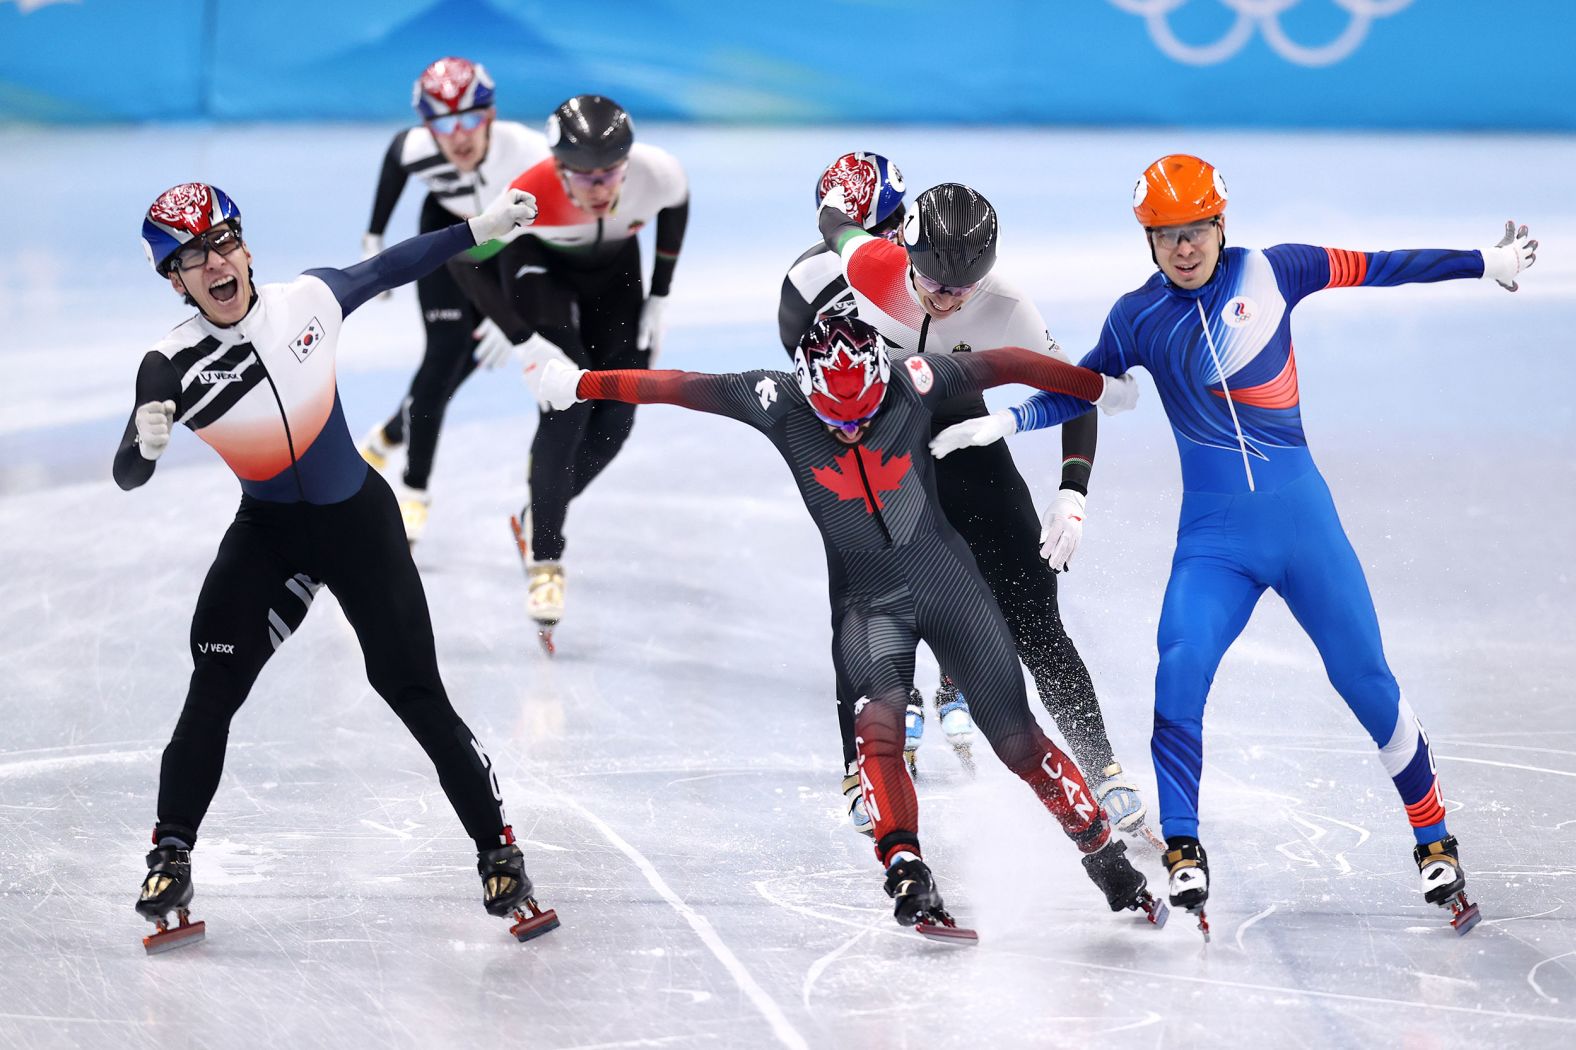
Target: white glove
(1515,252)
(1062,528)
(651,327)
(982,430)
(153,422)
(493,348)
(1121,394)
(836,198)
(372,244)
(512,208)
(551,375)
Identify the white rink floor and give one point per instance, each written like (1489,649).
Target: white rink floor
(674,772)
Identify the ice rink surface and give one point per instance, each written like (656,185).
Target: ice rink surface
(673,774)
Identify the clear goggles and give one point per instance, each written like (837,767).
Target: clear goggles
(194,253)
(1169,237)
(613,175)
(930,287)
(448,124)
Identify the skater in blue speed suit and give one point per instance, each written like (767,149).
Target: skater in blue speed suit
(1213,329)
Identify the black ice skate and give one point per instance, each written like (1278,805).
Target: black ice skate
(1444,883)
(917,903)
(167,888)
(1188,864)
(505,886)
(1124,886)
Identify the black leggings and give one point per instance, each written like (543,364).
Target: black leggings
(251,600)
(448,361)
(594,316)
(884,603)
(987,501)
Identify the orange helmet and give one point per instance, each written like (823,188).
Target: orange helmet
(1177,190)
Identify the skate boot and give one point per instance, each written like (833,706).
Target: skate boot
(956,722)
(167,888)
(913,729)
(1123,806)
(916,902)
(1124,886)
(1188,865)
(544,600)
(505,886)
(413,507)
(854,797)
(376,449)
(1444,883)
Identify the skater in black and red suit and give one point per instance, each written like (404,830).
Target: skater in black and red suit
(858,445)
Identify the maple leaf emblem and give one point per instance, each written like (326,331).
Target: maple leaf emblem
(843,476)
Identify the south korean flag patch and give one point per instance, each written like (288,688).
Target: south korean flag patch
(303,344)
(919,373)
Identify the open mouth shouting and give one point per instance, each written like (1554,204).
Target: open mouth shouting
(224,289)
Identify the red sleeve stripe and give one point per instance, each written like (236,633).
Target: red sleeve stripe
(1347,269)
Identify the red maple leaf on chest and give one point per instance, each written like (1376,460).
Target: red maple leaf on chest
(844,476)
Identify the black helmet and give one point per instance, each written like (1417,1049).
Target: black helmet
(950,233)
(589,132)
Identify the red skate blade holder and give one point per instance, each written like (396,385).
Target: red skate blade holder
(947,931)
(534,925)
(1463,913)
(168,940)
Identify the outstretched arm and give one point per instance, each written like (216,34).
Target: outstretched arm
(148,430)
(1304,268)
(750,397)
(419,256)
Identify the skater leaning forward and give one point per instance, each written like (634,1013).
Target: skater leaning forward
(574,282)
(935,288)
(1213,328)
(854,428)
(253,375)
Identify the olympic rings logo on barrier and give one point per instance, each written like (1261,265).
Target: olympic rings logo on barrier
(1263,15)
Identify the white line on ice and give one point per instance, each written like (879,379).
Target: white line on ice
(1249,921)
(818,967)
(1534,981)
(781,1028)
(1438,757)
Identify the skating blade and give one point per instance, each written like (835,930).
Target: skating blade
(545,636)
(168,940)
(1157,912)
(944,928)
(537,923)
(958,936)
(1464,914)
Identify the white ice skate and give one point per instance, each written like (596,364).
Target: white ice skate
(956,722)
(1124,807)
(854,798)
(913,729)
(376,449)
(413,507)
(544,600)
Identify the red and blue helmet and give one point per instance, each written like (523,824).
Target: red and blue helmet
(181,213)
(843,369)
(451,85)
(872,186)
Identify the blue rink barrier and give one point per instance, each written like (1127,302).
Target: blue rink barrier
(1445,64)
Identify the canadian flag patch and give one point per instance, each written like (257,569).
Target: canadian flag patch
(919,373)
(303,344)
